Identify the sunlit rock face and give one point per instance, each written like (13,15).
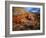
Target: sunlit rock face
(23,20)
(18,10)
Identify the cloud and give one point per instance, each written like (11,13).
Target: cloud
(34,10)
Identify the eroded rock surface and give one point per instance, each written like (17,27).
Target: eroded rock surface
(25,21)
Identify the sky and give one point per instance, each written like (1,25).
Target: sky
(34,10)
